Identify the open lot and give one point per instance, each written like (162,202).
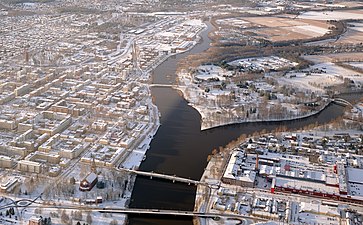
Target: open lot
(284,29)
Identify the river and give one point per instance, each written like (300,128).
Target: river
(181,148)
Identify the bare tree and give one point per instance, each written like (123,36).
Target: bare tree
(113,222)
(77,215)
(89,218)
(64,217)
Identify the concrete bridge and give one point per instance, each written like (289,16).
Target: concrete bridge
(341,101)
(150,212)
(172,178)
(181,213)
(162,85)
(162,176)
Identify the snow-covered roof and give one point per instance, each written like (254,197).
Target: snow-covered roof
(234,169)
(318,208)
(355,175)
(91,177)
(306,185)
(356,190)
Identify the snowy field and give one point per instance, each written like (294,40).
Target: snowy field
(211,72)
(310,29)
(319,76)
(338,57)
(334,15)
(325,62)
(284,28)
(232,22)
(357,64)
(356,26)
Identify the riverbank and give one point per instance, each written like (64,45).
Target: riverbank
(212,175)
(166,57)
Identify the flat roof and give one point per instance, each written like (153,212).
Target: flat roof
(234,169)
(91,177)
(355,189)
(29,163)
(355,175)
(305,185)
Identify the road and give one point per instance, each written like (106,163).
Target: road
(146,211)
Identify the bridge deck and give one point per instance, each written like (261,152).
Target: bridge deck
(342,102)
(161,85)
(163,176)
(149,211)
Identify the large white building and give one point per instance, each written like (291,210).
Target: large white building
(29,166)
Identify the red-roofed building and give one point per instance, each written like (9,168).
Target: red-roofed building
(88,182)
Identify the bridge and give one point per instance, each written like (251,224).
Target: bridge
(34,203)
(180,213)
(173,178)
(137,211)
(341,101)
(162,85)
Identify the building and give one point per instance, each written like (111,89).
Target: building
(22,90)
(304,187)
(35,221)
(7,124)
(8,185)
(6,162)
(29,166)
(238,171)
(88,182)
(355,182)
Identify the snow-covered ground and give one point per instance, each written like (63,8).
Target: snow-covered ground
(313,30)
(327,64)
(357,64)
(356,26)
(238,22)
(332,15)
(327,74)
(209,72)
(324,73)
(263,63)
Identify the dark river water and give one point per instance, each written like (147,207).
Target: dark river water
(180,148)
